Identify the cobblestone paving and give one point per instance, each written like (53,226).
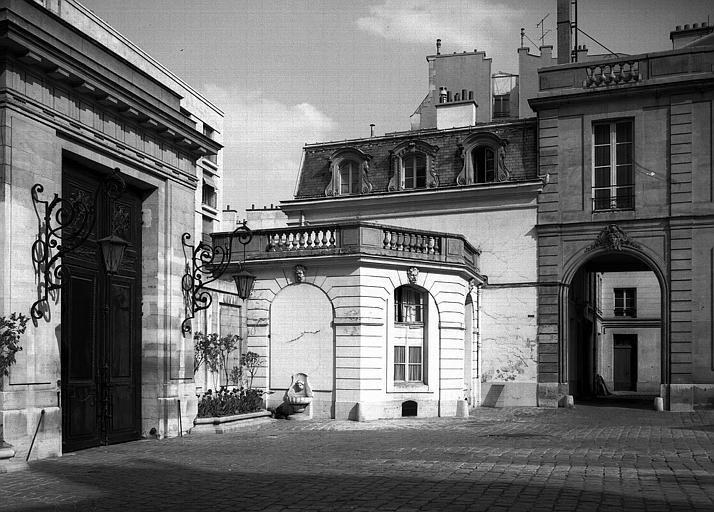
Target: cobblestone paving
(588,458)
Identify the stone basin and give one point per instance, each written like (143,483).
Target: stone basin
(299,400)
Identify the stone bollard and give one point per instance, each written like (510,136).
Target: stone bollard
(569,401)
(659,404)
(462,409)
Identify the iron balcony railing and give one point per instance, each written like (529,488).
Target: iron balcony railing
(613,198)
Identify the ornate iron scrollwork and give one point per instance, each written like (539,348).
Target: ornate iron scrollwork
(65,224)
(205,264)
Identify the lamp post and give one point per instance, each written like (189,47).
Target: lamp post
(205,264)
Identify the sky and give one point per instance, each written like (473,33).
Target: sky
(290,72)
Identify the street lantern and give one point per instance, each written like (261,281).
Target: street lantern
(113,248)
(206,263)
(244,283)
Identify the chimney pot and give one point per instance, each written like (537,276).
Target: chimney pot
(438,46)
(371,129)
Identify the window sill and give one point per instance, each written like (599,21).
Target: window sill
(409,387)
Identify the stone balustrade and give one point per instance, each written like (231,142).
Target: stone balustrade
(355,238)
(686,63)
(614,73)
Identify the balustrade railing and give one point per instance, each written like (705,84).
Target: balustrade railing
(407,241)
(616,73)
(303,239)
(354,238)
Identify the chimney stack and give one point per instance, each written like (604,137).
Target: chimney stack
(564,32)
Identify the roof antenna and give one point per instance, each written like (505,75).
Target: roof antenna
(543,32)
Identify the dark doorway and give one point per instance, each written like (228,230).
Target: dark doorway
(101,322)
(625,362)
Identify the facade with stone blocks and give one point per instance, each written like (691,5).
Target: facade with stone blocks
(103,359)
(625,150)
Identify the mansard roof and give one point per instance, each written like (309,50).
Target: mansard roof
(445,146)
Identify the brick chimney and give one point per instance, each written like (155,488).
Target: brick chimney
(564,32)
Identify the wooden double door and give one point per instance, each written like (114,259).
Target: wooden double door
(101,321)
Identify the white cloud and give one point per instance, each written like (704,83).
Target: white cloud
(263,140)
(462,25)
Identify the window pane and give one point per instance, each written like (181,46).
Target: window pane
(624,175)
(624,131)
(602,155)
(602,176)
(415,355)
(602,199)
(624,154)
(399,363)
(415,372)
(345,171)
(484,164)
(602,134)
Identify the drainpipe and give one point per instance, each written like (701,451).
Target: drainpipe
(477,391)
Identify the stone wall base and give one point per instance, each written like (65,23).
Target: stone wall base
(18,428)
(509,394)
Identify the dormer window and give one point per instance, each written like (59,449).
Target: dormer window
(413,166)
(484,159)
(349,173)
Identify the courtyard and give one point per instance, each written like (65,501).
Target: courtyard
(593,457)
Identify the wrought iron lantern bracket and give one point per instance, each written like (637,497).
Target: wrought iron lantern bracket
(205,264)
(65,224)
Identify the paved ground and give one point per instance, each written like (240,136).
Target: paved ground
(589,458)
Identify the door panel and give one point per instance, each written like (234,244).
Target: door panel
(101,321)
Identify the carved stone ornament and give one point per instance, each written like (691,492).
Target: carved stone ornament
(472,284)
(299,273)
(613,238)
(412,274)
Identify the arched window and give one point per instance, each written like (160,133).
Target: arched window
(409,322)
(415,171)
(484,164)
(349,171)
(484,159)
(413,166)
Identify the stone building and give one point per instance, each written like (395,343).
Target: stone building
(103,359)
(616,195)
(625,150)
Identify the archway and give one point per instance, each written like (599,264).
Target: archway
(613,327)
(302,340)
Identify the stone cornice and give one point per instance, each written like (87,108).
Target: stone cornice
(120,88)
(464,198)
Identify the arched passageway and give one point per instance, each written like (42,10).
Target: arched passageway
(614,325)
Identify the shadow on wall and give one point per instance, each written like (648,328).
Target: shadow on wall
(494,393)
